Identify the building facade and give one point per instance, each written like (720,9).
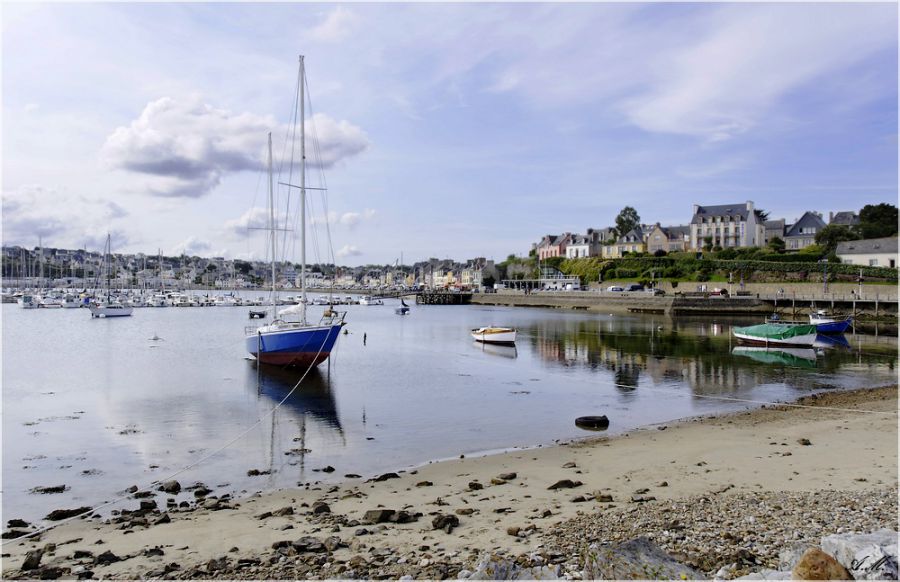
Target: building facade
(726,226)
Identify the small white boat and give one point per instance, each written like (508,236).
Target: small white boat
(110,310)
(366,300)
(495,335)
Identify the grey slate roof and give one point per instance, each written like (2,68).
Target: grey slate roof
(720,210)
(808,220)
(845,218)
(677,232)
(868,247)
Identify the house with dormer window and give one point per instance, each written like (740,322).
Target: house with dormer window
(802,233)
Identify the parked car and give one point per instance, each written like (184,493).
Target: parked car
(634,287)
(614,288)
(654,291)
(719,292)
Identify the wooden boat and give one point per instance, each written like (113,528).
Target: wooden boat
(495,335)
(776,334)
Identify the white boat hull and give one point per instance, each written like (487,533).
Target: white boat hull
(800,340)
(504,337)
(110,311)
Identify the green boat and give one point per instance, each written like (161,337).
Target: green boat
(776,334)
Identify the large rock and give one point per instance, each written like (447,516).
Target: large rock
(493,567)
(32,560)
(817,565)
(871,556)
(445,522)
(58,514)
(173,487)
(308,544)
(374,516)
(638,559)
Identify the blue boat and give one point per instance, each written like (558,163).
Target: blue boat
(283,342)
(828,325)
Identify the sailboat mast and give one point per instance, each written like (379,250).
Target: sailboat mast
(302,189)
(272,222)
(108,268)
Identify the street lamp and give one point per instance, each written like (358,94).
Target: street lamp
(824,276)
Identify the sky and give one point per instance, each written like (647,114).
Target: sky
(443,130)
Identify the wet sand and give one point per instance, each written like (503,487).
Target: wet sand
(852,447)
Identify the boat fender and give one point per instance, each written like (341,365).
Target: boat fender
(592,422)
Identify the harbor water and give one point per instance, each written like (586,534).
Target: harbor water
(98,405)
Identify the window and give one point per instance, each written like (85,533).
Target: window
(873,262)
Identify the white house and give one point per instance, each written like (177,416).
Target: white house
(873,252)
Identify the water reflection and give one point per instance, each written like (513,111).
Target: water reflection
(797,357)
(702,354)
(497,350)
(313,397)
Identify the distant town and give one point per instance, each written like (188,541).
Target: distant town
(866,237)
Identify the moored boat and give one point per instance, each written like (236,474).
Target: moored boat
(495,335)
(829,325)
(110,310)
(403,309)
(292,343)
(776,334)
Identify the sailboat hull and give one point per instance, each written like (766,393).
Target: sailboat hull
(293,345)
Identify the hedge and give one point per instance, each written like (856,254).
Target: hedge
(590,269)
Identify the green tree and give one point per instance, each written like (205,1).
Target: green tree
(627,219)
(777,244)
(761,215)
(707,243)
(829,237)
(878,220)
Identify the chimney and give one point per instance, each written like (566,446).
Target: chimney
(696,208)
(749,205)
(830,216)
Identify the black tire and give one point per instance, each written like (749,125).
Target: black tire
(592,422)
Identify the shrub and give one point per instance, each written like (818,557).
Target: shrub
(660,253)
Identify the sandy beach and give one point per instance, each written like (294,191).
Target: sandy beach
(840,447)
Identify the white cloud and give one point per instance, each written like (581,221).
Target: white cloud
(332,218)
(183,148)
(193,246)
(336,26)
(348,251)
(338,140)
(351,219)
(60,217)
(30,107)
(255,217)
(725,82)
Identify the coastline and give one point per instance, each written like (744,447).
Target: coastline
(749,453)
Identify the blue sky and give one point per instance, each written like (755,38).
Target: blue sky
(448,130)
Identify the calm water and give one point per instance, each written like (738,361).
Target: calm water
(98,406)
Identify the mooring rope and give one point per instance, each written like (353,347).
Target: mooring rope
(183,469)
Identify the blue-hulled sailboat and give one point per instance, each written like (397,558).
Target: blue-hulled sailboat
(293,343)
